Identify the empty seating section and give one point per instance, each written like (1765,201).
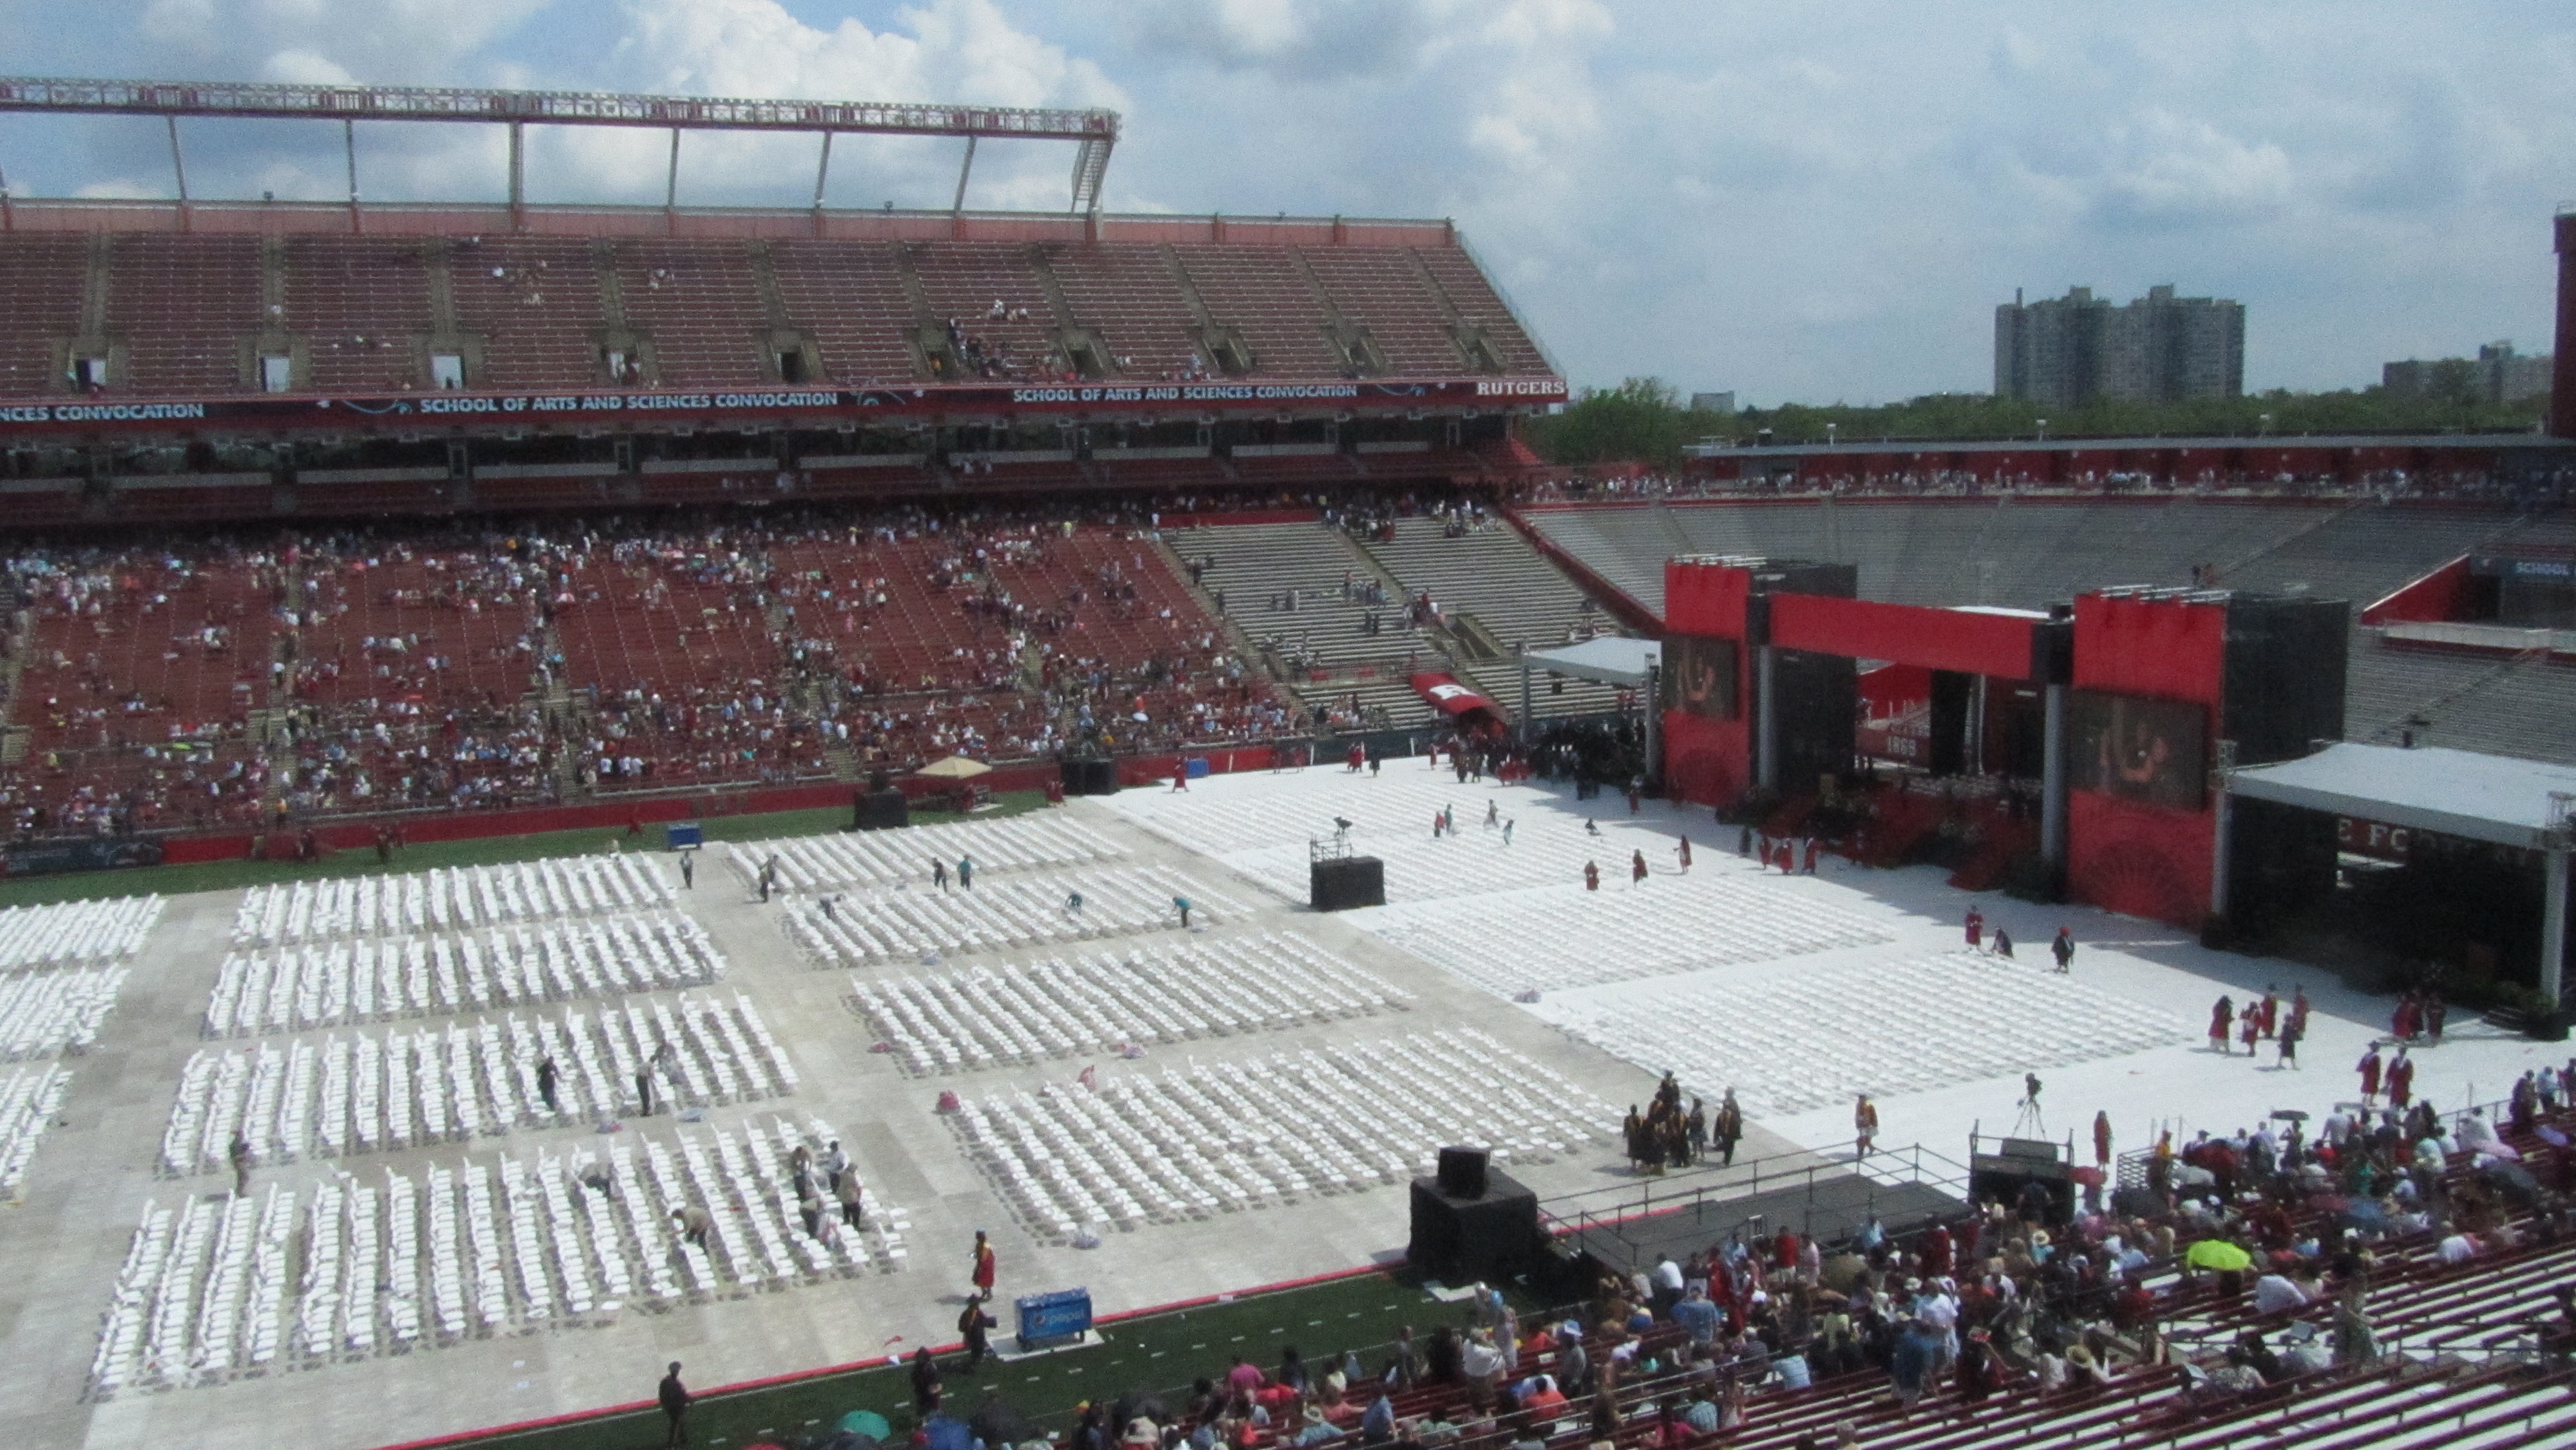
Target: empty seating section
(1060,1007)
(1739,917)
(1478,304)
(1747,1034)
(361,305)
(1257,291)
(962,280)
(534,311)
(1491,573)
(222,1286)
(1378,288)
(1125,292)
(2028,553)
(369,980)
(41,280)
(534,301)
(872,859)
(1261,567)
(185,308)
(1159,1148)
(332,1096)
(701,304)
(1012,911)
(72,932)
(448,899)
(850,296)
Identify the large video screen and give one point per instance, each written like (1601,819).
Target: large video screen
(1699,676)
(2141,749)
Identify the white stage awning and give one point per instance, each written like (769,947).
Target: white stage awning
(2452,792)
(1608,660)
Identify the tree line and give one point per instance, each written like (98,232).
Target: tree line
(1645,420)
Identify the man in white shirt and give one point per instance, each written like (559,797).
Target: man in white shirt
(2276,1291)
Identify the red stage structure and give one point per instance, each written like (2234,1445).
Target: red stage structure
(2140,695)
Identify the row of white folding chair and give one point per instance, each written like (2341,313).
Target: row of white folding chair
(446,899)
(123,1328)
(49,1013)
(830,863)
(28,1101)
(345,982)
(1025,911)
(63,933)
(1055,1007)
(1288,1124)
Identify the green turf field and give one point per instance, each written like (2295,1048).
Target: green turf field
(483,851)
(1161,1352)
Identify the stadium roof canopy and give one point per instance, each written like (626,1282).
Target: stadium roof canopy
(1607,661)
(2492,798)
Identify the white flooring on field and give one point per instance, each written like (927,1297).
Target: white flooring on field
(1148,1110)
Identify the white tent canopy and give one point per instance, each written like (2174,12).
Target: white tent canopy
(2451,792)
(1608,660)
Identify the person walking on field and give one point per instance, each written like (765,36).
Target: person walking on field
(2102,1139)
(965,873)
(939,873)
(2288,1042)
(984,1265)
(1976,929)
(2369,1067)
(546,1075)
(2222,1025)
(1684,850)
(2249,1027)
(1637,870)
(1864,1124)
(674,1398)
(688,871)
(1591,876)
(2063,949)
(1728,1130)
(240,1155)
(2401,1080)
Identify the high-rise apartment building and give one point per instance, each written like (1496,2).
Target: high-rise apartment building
(2160,347)
(2497,375)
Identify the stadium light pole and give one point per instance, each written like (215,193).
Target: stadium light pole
(2556,842)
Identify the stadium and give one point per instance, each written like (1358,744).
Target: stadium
(455,650)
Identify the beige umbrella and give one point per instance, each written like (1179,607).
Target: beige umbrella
(955,767)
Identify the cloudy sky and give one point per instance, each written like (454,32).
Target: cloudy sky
(1798,201)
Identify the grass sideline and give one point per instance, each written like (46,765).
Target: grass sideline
(480,851)
(1162,1352)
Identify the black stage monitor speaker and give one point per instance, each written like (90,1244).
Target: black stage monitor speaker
(1462,1172)
(1339,885)
(1463,1240)
(880,810)
(1090,777)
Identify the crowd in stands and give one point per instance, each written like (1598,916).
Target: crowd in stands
(213,682)
(2286,1268)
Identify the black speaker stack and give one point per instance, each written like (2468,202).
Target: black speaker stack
(1090,777)
(1471,1223)
(879,810)
(1343,882)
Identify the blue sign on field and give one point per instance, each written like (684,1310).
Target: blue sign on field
(1064,1314)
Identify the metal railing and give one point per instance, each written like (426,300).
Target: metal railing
(1601,1216)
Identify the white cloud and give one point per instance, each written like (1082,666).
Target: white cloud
(1792,198)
